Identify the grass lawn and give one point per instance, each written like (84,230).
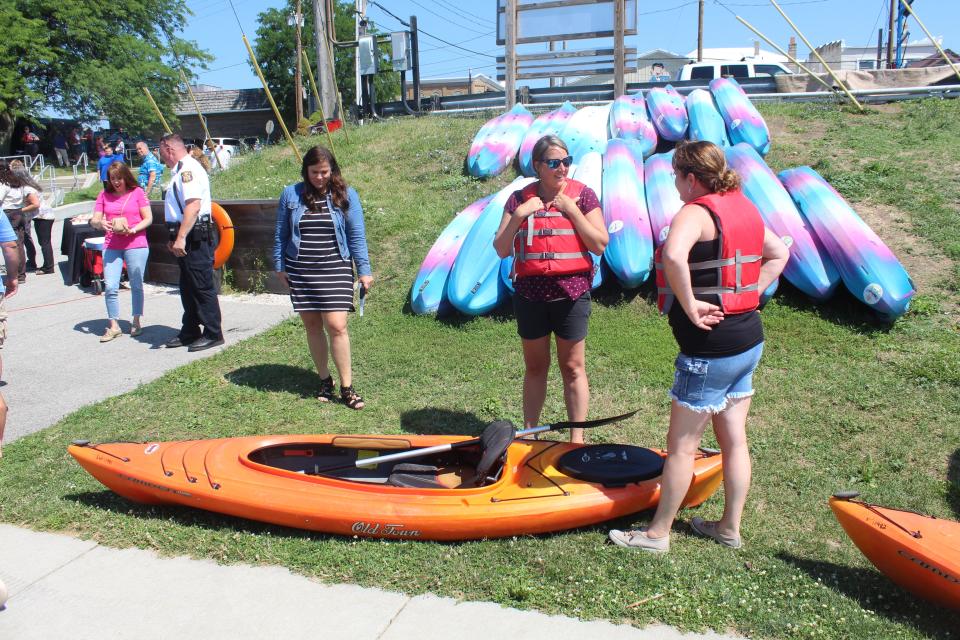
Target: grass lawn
(842,403)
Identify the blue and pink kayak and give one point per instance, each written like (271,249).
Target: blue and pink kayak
(429,291)
(629,121)
(474,286)
(706,123)
(744,122)
(663,200)
(590,173)
(587,131)
(550,123)
(868,267)
(498,141)
(668,113)
(810,268)
(629,253)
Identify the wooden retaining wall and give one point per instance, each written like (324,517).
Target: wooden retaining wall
(250,265)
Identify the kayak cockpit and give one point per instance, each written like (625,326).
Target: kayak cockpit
(343,460)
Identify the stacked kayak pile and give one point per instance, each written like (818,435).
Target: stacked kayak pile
(614,149)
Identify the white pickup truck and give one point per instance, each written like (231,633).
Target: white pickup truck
(730,69)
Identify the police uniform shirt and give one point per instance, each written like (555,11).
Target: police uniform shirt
(188,182)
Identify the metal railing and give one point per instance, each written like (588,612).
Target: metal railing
(81,159)
(49,169)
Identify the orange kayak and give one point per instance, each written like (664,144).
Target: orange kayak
(920,553)
(303,481)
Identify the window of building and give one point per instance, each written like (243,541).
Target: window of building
(864,65)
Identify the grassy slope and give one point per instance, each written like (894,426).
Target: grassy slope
(841,403)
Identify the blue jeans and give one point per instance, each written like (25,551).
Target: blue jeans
(113,260)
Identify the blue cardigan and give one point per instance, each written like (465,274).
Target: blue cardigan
(348,227)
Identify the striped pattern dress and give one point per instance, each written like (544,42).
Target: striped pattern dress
(320,280)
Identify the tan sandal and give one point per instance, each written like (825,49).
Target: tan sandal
(111,333)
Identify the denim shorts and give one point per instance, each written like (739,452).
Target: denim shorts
(706,385)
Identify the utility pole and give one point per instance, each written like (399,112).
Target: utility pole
(361,29)
(700,34)
(325,72)
(893,17)
(298,74)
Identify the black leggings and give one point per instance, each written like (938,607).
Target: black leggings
(44,229)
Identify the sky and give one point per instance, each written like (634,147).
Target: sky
(667,24)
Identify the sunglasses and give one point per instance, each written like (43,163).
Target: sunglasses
(553,163)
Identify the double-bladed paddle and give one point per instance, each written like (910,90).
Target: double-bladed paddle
(440,448)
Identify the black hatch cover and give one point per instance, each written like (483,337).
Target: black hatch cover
(612,465)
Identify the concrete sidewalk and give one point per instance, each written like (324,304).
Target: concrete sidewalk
(61,587)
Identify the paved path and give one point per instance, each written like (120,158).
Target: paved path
(61,587)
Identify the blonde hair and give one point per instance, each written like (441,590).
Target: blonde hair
(706,161)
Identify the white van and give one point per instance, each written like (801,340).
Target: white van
(730,69)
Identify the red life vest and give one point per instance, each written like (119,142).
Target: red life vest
(740,230)
(548,245)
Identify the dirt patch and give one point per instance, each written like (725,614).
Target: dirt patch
(788,131)
(926,266)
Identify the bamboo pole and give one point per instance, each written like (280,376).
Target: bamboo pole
(203,123)
(782,52)
(817,54)
(939,48)
(153,103)
(276,112)
(316,95)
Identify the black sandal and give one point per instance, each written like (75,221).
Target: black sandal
(325,393)
(351,398)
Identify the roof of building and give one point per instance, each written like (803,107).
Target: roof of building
(223,101)
(935,60)
(446,80)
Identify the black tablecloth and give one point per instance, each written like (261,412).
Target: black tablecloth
(72,246)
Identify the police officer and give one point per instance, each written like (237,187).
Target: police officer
(187,214)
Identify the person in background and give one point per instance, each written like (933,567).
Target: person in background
(719,248)
(320,237)
(88,142)
(120,144)
(123,212)
(73,139)
(31,186)
(108,158)
(18,201)
(187,207)
(551,227)
(29,141)
(101,147)
(8,287)
(201,158)
(658,74)
(151,169)
(60,148)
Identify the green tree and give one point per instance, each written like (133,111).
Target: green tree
(91,59)
(275,48)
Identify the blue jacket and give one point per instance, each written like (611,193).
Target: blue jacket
(349,229)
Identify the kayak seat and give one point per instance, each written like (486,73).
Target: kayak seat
(416,476)
(612,465)
(494,442)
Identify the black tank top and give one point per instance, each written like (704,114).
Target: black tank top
(734,334)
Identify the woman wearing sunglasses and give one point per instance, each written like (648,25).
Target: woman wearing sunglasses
(551,227)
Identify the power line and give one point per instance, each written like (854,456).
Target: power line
(429,35)
(479,19)
(457,24)
(490,33)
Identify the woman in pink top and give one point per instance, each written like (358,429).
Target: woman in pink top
(123,211)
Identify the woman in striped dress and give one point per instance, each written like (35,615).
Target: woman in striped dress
(319,239)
